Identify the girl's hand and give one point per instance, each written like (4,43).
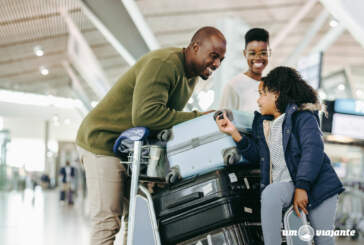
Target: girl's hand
(227,127)
(300,200)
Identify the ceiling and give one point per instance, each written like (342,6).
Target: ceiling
(25,24)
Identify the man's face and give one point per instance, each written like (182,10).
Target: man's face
(207,56)
(256,54)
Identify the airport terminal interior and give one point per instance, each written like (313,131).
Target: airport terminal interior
(58,58)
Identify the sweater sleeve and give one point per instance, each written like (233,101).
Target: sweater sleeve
(229,98)
(151,95)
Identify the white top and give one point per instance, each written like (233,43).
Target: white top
(280,171)
(68,174)
(240,93)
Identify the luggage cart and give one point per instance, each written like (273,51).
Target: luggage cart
(144,221)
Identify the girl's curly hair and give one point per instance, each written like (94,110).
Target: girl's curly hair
(290,87)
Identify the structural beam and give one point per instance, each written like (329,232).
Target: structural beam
(84,60)
(123,26)
(350,14)
(329,38)
(140,24)
(292,24)
(309,36)
(77,87)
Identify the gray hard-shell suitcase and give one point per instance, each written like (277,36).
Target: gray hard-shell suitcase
(197,146)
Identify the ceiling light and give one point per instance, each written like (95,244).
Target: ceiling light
(341,87)
(333,23)
(38,50)
(43,70)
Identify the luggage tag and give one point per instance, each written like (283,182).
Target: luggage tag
(233,178)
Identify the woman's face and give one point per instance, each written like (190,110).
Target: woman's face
(267,101)
(256,54)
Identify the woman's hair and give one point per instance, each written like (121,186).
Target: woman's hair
(256,34)
(290,87)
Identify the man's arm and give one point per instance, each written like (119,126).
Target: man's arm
(151,94)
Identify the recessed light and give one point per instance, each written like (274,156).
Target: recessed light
(38,50)
(333,23)
(341,87)
(43,70)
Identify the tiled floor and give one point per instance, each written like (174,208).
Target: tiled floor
(28,218)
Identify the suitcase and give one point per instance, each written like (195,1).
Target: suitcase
(197,146)
(230,235)
(237,234)
(203,203)
(298,225)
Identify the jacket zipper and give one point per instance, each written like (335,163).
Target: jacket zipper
(266,132)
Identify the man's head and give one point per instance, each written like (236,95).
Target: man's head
(205,52)
(68,163)
(257,50)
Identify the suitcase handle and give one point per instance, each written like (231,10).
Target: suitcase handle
(185,199)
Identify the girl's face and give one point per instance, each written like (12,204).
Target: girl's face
(267,101)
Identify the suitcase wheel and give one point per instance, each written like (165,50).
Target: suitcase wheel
(231,157)
(172,176)
(164,135)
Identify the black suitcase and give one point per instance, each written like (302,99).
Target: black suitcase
(237,234)
(204,203)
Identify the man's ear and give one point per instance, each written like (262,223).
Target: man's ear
(244,52)
(195,47)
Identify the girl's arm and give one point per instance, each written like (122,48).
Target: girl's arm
(312,150)
(247,146)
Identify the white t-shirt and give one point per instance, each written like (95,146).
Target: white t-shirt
(240,93)
(68,174)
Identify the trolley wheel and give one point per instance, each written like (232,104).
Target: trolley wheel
(356,235)
(231,157)
(172,176)
(164,135)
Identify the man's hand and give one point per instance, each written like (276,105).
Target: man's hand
(207,112)
(300,200)
(227,127)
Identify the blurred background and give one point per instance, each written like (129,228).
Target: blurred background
(59,57)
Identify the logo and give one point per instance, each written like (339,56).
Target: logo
(306,233)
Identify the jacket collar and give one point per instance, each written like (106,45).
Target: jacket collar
(291,109)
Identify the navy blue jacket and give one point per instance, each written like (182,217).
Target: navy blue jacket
(64,174)
(309,166)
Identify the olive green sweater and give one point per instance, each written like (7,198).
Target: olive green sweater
(151,93)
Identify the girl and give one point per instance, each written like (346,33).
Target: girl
(287,142)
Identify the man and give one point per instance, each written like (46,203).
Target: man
(67,173)
(152,94)
(241,93)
